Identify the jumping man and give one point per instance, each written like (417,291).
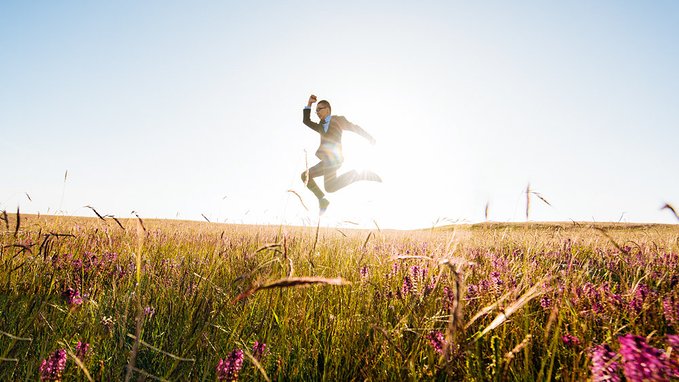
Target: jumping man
(330,128)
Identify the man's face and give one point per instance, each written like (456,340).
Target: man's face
(322,111)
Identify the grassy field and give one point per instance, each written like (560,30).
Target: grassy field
(93,299)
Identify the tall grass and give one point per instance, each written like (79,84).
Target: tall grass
(167,300)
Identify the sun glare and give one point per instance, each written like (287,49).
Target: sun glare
(358,155)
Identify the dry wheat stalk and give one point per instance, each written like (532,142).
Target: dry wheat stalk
(97,213)
(16,229)
(487,309)
(5,218)
(527,201)
(455,326)
(669,207)
(511,354)
(292,282)
(407,257)
(535,291)
(142,342)
(300,198)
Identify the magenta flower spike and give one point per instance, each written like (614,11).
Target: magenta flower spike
(259,350)
(642,362)
(437,341)
(604,366)
(229,368)
(81,349)
(72,297)
(53,367)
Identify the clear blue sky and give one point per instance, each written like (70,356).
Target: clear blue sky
(177,109)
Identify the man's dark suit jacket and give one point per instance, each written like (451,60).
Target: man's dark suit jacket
(330,148)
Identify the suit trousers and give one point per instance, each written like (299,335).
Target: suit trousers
(331,182)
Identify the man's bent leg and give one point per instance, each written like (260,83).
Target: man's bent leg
(336,183)
(320,169)
(311,184)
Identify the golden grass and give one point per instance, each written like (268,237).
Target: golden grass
(191,271)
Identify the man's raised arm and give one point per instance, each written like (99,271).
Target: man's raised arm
(306,119)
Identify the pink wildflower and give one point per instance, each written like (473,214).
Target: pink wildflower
(53,367)
(546,302)
(229,368)
(643,362)
(364,272)
(407,286)
(604,368)
(259,350)
(570,340)
(437,341)
(670,306)
(81,349)
(149,311)
(72,297)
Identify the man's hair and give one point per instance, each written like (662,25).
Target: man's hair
(325,103)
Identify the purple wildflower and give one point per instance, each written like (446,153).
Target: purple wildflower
(643,362)
(448,298)
(77,265)
(597,307)
(670,308)
(364,272)
(229,368)
(407,285)
(577,297)
(673,342)
(496,279)
(472,291)
(616,300)
(259,350)
(591,291)
(437,341)
(417,277)
(546,302)
(642,293)
(484,286)
(394,270)
(429,287)
(418,272)
(81,349)
(500,263)
(110,256)
(72,297)
(636,305)
(570,340)
(604,368)
(52,367)
(149,311)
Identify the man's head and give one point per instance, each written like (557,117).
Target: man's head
(323,109)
